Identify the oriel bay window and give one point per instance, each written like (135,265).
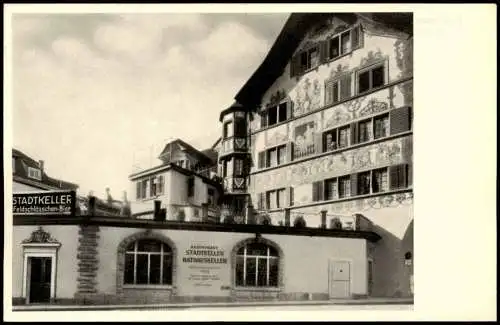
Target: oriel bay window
(148,262)
(257,265)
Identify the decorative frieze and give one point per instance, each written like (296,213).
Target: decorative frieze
(365,158)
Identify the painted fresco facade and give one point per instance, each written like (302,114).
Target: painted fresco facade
(310,159)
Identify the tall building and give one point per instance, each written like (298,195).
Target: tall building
(328,131)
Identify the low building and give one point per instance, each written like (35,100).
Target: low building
(185,185)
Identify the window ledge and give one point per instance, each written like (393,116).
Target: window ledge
(258,289)
(344,199)
(147,286)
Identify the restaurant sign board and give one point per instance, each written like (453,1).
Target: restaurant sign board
(44,203)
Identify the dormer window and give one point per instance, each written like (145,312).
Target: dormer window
(35,173)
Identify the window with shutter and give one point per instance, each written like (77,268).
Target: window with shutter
(240,129)
(357,37)
(400,120)
(289,152)
(323,51)
(290,196)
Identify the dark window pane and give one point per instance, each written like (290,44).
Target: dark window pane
(167,269)
(364,81)
(381,126)
(239,271)
(149,246)
(250,271)
(273,115)
(129,269)
(273,251)
(142,269)
(166,248)
(262,272)
(334,48)
(241,251)
(282,112)
(281,155)
(273,272)
(364,131)
(378,77)
(154,274)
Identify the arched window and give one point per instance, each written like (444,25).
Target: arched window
(148,261)
(257,266)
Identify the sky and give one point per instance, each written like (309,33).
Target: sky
(96,94)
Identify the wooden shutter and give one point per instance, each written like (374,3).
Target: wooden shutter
(400,119)
(345,86)
(318,142)
(397,177)
(289,151)
(290,196)
(262,159)
(323,52)
(354,133)
(354,184)
(138,189)
(289,109)
(357,37)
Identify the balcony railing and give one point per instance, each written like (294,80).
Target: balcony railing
(299,152)
(234,144)
(234,184)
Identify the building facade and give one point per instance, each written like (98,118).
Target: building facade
(329,122)
(307,195)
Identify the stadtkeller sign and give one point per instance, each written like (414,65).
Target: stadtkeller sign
(46,202)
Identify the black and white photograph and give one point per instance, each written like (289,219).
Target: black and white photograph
(205,160)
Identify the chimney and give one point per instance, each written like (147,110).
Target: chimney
(41,164)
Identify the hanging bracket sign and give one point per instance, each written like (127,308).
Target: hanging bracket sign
(44,203)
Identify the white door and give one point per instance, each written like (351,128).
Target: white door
(340,279)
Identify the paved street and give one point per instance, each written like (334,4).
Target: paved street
(307,308)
